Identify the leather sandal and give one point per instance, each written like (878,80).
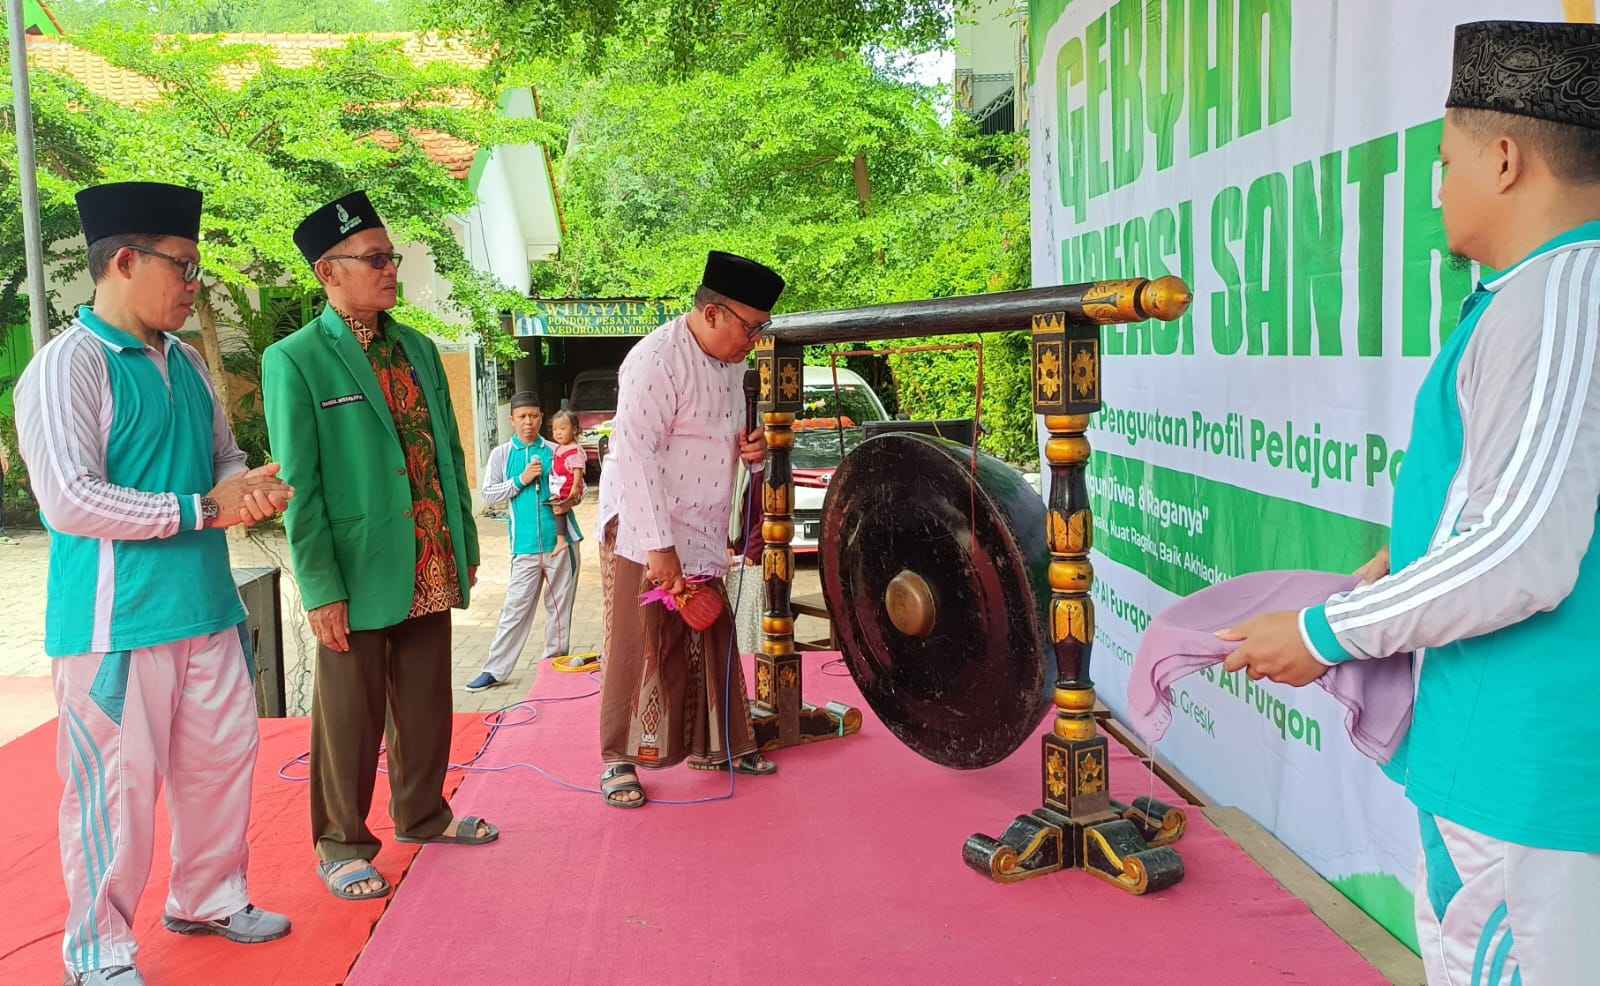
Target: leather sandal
(751,763)
(611,791)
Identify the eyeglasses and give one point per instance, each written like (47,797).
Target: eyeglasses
(191,268)
(750,331)
(377,261)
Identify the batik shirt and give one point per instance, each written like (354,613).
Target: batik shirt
(438,586)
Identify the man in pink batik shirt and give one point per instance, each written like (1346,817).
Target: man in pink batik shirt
(665,498)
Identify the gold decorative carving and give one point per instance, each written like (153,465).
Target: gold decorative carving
(1007,864)
(1091,774)
(775,564)
(1056,532)
(1049,323)
(788,677)
(1171,829)
(1129,873)
(1085,373)
(1072,729)
(1080,527)
(776,499)
(789,379)
(765,366)
(1112,301)
(1047,374)
(763,682)
(1074,620)
(1055,773)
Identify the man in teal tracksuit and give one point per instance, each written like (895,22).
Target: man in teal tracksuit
(137,473)
(1491,575)
(519,473)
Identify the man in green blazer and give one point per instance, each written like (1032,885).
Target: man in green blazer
(382,540)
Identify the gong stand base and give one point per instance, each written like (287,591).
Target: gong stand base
(1080,827)
(830,721)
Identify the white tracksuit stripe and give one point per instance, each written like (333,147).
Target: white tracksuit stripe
(1501,534)
(1407,581)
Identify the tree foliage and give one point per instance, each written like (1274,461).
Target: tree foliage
(693,35)
(238,16)
(846,180)
(269,151)
(265,152)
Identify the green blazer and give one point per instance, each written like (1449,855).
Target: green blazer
(349,524)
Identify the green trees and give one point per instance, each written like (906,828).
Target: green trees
(771,128)
(693,35)
(269,146)
(762,127)
(843,177)
(237,16)
(266,144)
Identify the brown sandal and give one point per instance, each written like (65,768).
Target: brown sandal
(615,771)
(751,763)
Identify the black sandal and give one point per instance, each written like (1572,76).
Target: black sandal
(751,763)
(618,770)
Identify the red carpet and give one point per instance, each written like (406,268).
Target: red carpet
(328,933)
(845,867)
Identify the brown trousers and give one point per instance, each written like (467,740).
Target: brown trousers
(663,696)
(406,670)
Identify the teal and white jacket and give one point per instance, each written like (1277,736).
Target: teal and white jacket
(1495,581)
(121,441)
(533,524)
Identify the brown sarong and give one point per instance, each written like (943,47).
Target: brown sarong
(662,697)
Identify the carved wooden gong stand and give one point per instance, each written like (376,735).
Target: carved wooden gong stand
(1078,825)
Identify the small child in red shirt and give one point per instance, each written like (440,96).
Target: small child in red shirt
(568,465)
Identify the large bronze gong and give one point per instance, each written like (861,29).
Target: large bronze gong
(937,581)
(962,604)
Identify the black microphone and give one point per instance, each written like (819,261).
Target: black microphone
(752,512)
(752,394)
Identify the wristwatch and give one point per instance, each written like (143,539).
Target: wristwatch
(209,511)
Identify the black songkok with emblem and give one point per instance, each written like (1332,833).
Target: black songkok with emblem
(145,208)
(1548,71)
(333,223)
(743,280)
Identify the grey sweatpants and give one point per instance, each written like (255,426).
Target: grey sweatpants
(555,574)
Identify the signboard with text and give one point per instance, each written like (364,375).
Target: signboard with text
(1281,156)
(594,317)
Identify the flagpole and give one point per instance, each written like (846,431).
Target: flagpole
(23,105)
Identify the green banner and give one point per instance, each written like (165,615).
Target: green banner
(1180,530)
(594,317)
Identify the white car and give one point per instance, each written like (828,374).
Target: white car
(818,430)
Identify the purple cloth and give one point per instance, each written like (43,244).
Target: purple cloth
(1376,694)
